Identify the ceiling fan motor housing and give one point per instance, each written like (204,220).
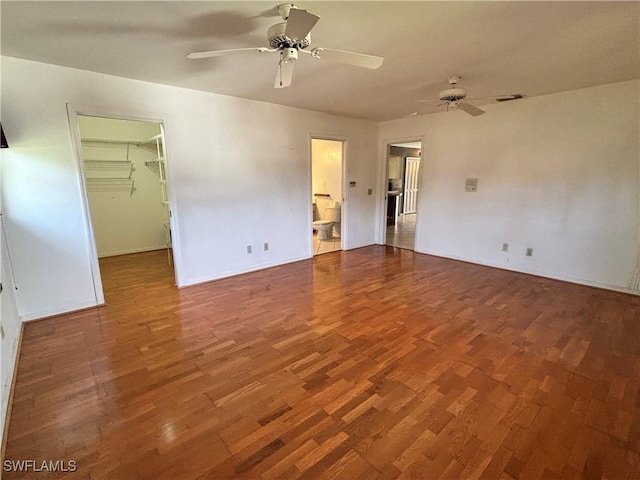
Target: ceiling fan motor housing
(284,9)
(278,39)
(453,94)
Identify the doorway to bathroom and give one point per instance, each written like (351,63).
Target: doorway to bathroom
(403,173)
(327,158)
(122,163)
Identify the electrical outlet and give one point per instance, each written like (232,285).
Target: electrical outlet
(370,191)
(505,247)
(529,252)
(248,248)
(266,246)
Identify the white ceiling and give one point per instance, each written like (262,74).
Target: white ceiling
(532,48)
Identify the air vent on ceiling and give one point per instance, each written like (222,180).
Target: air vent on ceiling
(508,98)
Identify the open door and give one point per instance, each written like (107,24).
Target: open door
(401,205)
(412,167)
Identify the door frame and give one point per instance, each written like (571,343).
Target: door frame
(385,147)
(73,111)
(343,201)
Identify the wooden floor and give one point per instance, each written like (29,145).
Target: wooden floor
(376,363)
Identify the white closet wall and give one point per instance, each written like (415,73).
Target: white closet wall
(124,220)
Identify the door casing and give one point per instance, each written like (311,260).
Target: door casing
(73,111)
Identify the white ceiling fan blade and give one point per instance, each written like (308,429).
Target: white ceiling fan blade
(284,75)
(470,109)
(300,23)
(219,53)
(350,58)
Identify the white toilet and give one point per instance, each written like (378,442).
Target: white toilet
(328,213)
(333,215)
(324,229)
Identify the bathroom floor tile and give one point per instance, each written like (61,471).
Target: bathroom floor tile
(325,246)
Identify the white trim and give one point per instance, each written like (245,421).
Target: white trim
(252,268)
(536,273)
(72,114)
(58,311)
(73,111)
(135,250)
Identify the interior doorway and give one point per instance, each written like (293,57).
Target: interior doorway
(403,174)
(327,163)
(124,174)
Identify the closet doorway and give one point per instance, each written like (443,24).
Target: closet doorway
(403,175)
(124,175)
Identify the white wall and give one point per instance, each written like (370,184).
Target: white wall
(557,173)
(239,172)
(125,222)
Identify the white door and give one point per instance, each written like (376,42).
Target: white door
(411,185)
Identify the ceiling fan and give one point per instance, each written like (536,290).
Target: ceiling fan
(292,37)
(453,96)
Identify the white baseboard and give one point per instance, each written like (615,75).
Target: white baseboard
(27,317)
(128,251)
(537,273)
(253,268)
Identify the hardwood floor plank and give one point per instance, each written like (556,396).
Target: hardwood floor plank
(375,363)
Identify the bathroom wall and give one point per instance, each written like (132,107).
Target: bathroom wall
(326,172)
